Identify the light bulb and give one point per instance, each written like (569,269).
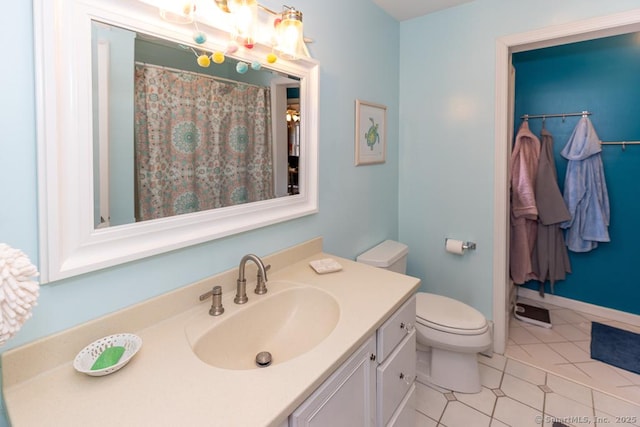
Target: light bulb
(245,16)
(290,34)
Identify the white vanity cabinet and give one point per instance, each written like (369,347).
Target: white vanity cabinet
(375,386)
(396,372)
(347,398)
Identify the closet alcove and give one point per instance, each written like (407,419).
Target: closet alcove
(599,76)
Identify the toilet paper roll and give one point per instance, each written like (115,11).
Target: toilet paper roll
(454,246)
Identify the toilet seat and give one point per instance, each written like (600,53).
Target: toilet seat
(448,315)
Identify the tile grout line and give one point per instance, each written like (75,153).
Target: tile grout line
(493,410)
(443,411)
(544,400)
(495,404)
(593,406)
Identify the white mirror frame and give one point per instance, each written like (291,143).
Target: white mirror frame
(69,243)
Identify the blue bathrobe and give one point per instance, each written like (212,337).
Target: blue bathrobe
(585,190)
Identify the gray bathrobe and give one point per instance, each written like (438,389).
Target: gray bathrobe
(550,259)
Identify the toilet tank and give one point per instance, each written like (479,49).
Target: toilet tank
(389,255)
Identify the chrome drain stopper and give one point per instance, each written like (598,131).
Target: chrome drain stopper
(263,359)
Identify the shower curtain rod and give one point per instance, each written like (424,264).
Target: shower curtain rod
(563,115)
(221,79)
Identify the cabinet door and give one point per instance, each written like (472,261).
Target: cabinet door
(405,415)
(346,398)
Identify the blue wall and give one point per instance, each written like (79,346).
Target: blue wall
(447,133)
(369,199)
(436,72)
(600,76)
(358,206)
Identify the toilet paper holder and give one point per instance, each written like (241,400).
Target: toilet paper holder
(465,245)
(468,245)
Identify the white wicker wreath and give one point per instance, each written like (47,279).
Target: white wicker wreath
(18,292)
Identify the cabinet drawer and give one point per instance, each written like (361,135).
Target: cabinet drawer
(396,328)
(395,377)
(406,413)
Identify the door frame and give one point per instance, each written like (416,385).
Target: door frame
(588,29)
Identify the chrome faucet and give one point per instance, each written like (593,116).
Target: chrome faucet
(261,286)
(216,300)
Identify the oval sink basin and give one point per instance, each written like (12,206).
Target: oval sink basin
(286,324)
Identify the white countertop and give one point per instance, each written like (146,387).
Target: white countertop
(166,384)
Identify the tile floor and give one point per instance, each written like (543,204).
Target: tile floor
(519,395)
(564,349)
(519,391)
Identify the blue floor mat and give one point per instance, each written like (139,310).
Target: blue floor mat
(615,347)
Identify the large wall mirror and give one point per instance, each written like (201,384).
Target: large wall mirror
(142,151)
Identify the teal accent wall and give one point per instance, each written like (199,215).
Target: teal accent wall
(600,76)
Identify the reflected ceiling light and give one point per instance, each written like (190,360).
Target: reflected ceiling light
(293,115)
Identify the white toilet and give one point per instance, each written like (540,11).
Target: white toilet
(450,334)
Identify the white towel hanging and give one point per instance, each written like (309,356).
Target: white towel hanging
(18,292)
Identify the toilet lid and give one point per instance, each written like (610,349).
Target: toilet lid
(448,315)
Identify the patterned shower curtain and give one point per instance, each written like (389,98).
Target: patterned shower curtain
(200,143)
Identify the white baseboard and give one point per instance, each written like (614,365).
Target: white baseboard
(585,307)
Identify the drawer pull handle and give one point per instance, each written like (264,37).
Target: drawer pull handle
(404,378)
(372,357)
(408,327)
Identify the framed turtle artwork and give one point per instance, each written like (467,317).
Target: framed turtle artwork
(371,133)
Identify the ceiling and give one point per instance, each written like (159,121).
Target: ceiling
(407,9)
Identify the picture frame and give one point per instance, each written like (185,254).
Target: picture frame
(370,133)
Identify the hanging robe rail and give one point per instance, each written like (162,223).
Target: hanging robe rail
(583,114)
(622,143)
(546,116)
